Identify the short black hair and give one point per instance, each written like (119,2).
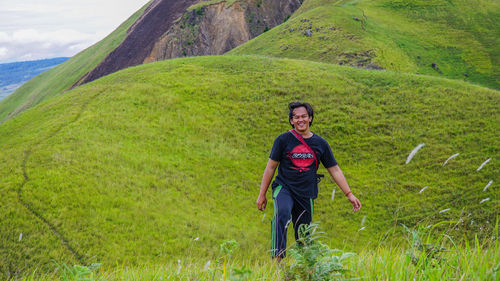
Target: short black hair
(296,104)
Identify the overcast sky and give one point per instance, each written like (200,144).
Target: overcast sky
(38,29)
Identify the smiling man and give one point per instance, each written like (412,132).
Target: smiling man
(298,153)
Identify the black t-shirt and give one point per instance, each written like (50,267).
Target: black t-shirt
(297,168)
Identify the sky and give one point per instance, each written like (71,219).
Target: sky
(39,29)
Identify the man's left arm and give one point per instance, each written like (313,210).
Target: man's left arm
(339,178)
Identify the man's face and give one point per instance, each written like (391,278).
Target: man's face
(300,119)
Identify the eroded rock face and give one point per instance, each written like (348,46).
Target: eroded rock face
(158,18)
(218,28)
(168,30)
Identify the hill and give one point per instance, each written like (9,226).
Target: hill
(453,39)
(14,74)
(164,160)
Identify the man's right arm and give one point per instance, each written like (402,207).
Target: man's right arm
(266,180)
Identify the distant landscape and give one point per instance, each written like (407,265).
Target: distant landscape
(14,74)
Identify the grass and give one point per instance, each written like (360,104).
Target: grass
(459,263)
(59,79)
(197,7)
(161,163)
(479,261)
(132,168)
(404,36)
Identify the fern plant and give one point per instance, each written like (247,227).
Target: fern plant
(312,260)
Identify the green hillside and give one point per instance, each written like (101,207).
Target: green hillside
(459,37)
(164,161)
(62,77)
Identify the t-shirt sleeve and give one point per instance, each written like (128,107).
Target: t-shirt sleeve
(277,149)
(327,158)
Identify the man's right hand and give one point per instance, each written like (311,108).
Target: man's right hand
(261,202)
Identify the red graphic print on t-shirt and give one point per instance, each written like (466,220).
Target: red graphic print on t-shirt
(301,157)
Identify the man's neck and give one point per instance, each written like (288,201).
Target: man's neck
(305,134)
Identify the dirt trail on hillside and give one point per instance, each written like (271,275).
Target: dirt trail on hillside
(82,259)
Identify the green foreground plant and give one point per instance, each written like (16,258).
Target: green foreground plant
(79,272)
(313,260)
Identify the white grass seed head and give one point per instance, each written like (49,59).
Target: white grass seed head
(207,265)
(422,190)
(488,185)
(482,165)
(444,210)
(484,200)
(414,151)
(451,157)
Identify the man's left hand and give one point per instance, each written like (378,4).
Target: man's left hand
(356,205)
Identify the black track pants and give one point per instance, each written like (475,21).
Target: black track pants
(286,205)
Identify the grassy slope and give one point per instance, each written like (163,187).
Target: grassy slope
(402,35)
(133,167)
(62,77)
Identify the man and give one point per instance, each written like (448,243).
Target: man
(298,153)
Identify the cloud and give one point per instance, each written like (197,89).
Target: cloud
(78,47)
(3,52)
(3,37)
(54,28)
(30,44)
(27,56)
(60,36)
